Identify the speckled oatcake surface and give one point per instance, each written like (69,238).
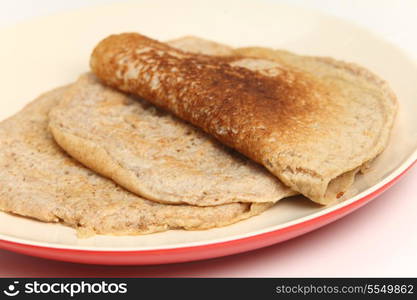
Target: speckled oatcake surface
(38,180)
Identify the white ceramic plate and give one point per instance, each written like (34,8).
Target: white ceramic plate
(39,55)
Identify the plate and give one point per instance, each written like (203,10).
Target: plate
(44,53)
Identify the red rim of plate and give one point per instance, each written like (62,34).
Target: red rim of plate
(198,252)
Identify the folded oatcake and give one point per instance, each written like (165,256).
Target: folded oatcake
(151,152)
(39,180)
(313,122)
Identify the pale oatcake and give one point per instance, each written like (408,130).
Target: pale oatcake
(313,122)
(39,180)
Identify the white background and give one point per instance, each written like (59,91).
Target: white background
(378,240)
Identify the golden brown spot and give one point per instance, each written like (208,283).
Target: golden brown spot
(340,194)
